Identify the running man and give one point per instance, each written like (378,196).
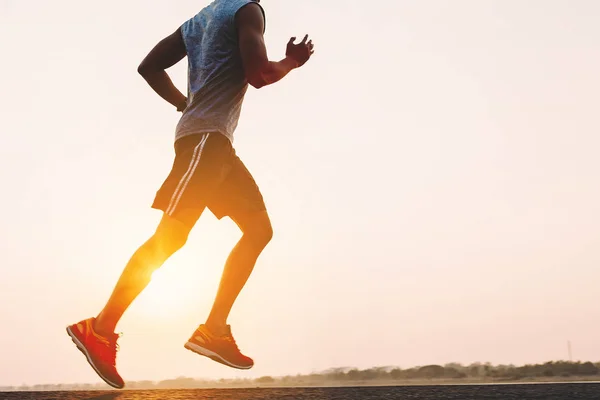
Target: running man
(225,47)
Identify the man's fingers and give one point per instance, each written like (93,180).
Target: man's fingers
(305,39)
(292,40)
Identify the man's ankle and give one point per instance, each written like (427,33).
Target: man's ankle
(217,328)
(100,329)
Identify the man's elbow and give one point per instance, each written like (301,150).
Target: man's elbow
(145,70)
(258,78)
(257,83)
(142,69)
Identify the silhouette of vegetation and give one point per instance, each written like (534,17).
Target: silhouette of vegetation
(477,372)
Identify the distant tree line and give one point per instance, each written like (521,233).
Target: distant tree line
(478,372)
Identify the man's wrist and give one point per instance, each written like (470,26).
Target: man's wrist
(291,62)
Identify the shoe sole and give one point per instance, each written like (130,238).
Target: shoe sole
(82,348)
(213,356)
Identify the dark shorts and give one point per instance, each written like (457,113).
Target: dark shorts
(207,173)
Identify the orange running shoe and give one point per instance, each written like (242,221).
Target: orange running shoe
(221,349)
(101,352)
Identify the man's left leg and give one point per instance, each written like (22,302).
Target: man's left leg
(214,339)
(257,233)
(239,198)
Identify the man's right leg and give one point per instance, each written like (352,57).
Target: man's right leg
(197,171)
(95,337)
(170,236)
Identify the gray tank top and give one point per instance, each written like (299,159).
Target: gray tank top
(216,80)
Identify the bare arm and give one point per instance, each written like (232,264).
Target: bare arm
(164,55)
(259,70)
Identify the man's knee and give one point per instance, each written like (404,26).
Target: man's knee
(260,233)
(170,236)
(166,245)
(265,235)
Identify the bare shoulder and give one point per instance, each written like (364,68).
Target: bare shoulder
(250,16)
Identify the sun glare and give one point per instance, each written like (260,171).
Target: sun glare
(163,297)
(181,286)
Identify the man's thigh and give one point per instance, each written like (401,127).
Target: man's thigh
(239,197)
(200,167)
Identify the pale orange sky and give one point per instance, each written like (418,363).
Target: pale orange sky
(432,176)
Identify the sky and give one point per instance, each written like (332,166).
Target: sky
(432,176)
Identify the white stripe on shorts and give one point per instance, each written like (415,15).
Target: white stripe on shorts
(185,180)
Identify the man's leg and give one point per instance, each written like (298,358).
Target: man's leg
(257,233)
(239,198)
(95,337)
(169,237)
(214,339)
(195,175)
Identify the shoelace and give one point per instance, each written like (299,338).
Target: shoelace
(230,339)
(113,347)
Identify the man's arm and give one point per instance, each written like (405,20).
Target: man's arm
(259,70)
(164,55)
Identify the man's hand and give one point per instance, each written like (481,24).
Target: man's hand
(259,70)
(182,105)
(300,52)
